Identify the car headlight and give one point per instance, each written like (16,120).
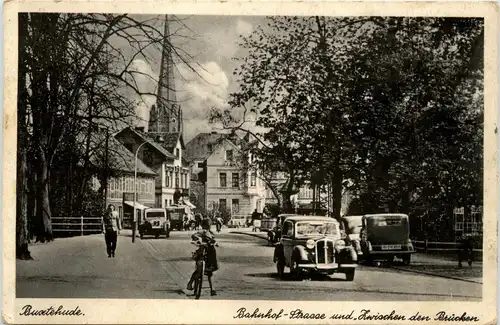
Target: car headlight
(310,244)
(339,244)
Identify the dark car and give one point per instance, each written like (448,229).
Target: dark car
(386,236)
(312,244)
(274,235)
(155,223)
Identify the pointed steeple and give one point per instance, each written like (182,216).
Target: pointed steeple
(166,117)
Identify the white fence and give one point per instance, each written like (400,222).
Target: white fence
(77,225)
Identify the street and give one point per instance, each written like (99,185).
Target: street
(160,268)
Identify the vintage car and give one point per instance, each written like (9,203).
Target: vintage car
(274,235)
(155,223)
(385,236)
(352,227)
(312,244)
(176,216)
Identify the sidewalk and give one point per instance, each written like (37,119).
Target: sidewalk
(422,263)
(79,267)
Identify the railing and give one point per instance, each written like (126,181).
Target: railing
(76,225)
(428,246)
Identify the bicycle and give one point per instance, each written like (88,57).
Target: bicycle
(201,260)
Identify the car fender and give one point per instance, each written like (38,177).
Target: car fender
(278,252)
(300,251)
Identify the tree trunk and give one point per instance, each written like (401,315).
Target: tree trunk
(337,193)
(22,233)
(22,236)
(44,231)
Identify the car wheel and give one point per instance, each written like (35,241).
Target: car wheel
(295,271)
(157,235)
(141,235)
(349,275)
(407,259)
(280,268)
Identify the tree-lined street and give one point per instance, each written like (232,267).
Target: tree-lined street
(160,268)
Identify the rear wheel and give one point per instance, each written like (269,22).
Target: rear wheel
(407,259)
(157,235)
(349,275)
(141,235)
(199,282)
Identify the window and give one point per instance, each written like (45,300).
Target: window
(171,179)
(166,203)
(236,180)
(177,153)
(253,179)
(170,202)
(200,165)
(176,179)
(209,146)
(186,181)
(167,181)
(229,155)
(288,229)
(222,180)
(236,205)
(222,204)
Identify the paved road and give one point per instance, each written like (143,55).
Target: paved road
(160,268)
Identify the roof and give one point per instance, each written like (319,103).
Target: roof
(150,141)
(197,148)
(119,157)
(169,140)
(378,215)
(310,218)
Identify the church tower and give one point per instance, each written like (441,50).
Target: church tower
(166,115)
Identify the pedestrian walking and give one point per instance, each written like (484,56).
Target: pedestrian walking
(111,226)
(466,250)
(218,222)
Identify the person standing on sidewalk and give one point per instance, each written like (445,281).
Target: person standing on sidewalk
(111,227)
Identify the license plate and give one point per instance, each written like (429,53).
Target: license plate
(390,247)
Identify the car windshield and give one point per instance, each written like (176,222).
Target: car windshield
(314,228)
(155,214)
(387,222)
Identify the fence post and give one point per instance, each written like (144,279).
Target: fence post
(425,245)
(81,225)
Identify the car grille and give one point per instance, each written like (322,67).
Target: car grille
(324,252)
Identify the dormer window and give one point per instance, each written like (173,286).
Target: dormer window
(209,147)
(177,153)
(229,155)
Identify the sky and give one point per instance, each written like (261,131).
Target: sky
(212,41)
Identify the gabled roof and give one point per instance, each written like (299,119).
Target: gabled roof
(150,141)
(120,159)
(197,148)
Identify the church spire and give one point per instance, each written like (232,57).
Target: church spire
(166,115)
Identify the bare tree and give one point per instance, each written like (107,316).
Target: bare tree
(75,75)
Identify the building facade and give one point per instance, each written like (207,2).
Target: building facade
(120,187)
(218,173)
(163,153)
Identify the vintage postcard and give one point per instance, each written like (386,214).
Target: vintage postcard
(250,163)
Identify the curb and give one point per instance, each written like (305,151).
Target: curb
(436,275)
(249,234)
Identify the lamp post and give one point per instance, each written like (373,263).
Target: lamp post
(135,220)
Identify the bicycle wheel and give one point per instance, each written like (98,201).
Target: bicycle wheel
(199,282)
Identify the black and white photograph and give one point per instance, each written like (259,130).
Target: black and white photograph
(257,158)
